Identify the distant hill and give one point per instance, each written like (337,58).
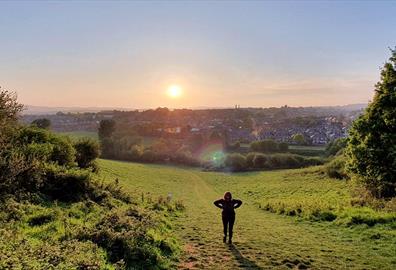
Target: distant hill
(351,107)
(42,110)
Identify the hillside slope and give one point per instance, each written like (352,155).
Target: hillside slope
(263,240)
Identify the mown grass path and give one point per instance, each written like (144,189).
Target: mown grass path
(262,240)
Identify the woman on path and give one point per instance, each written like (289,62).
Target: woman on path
(228,204)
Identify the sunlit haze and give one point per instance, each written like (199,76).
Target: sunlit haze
(174,91)
(130,54)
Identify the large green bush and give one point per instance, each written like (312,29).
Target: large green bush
(58,149)
(371,147)
(260,161)
(236,162)
(87,150)
(65,184)
(63,151)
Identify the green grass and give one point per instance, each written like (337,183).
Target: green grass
(307,147)
(80,134)
(106,234)
(265,239)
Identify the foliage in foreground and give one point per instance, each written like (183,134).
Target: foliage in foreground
(53,215)
(371,147)
(86,235)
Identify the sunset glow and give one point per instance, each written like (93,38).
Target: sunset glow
(174,91)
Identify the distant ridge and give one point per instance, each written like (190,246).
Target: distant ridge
(43,110)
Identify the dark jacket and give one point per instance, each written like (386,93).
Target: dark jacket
(228,206)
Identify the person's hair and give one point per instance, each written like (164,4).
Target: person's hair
(227,193)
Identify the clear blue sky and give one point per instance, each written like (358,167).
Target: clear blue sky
(126,54)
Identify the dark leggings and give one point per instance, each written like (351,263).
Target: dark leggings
(228,222)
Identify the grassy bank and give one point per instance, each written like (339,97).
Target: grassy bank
(87,235)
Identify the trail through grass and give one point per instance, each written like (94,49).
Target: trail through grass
(262,240)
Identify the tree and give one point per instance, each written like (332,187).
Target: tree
(106,128)
(283,147)
(9,107)
(266,146)
(42,123)
(299,139)
(12,163)
(371,149)
(87,150)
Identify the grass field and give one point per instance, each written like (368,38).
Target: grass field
(263,240)
(80,134)
(147,141)
(307,147)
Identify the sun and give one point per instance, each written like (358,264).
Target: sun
(174,91)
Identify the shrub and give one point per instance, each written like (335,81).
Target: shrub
(87,150)
(136,152)
(134,237)
(283,147)
(65,184)
(265,146)
(148,156)
(40,141)
(336,168)
(17,252)
(20,171)
(27,135)
(279,161)
(100,191)
(299,139)
(184,156)
(42,123)
(260,161)
(236,162)
(249,159)
(235,147)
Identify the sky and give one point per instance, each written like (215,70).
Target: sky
(255,54)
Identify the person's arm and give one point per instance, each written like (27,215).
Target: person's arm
(237,203)
(219,203)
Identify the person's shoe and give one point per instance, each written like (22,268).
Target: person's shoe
(224,239)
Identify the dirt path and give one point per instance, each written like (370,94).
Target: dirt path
(201,230)
(262,240)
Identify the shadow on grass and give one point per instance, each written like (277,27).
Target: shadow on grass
(244,263)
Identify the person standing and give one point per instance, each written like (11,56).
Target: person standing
(228,204)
